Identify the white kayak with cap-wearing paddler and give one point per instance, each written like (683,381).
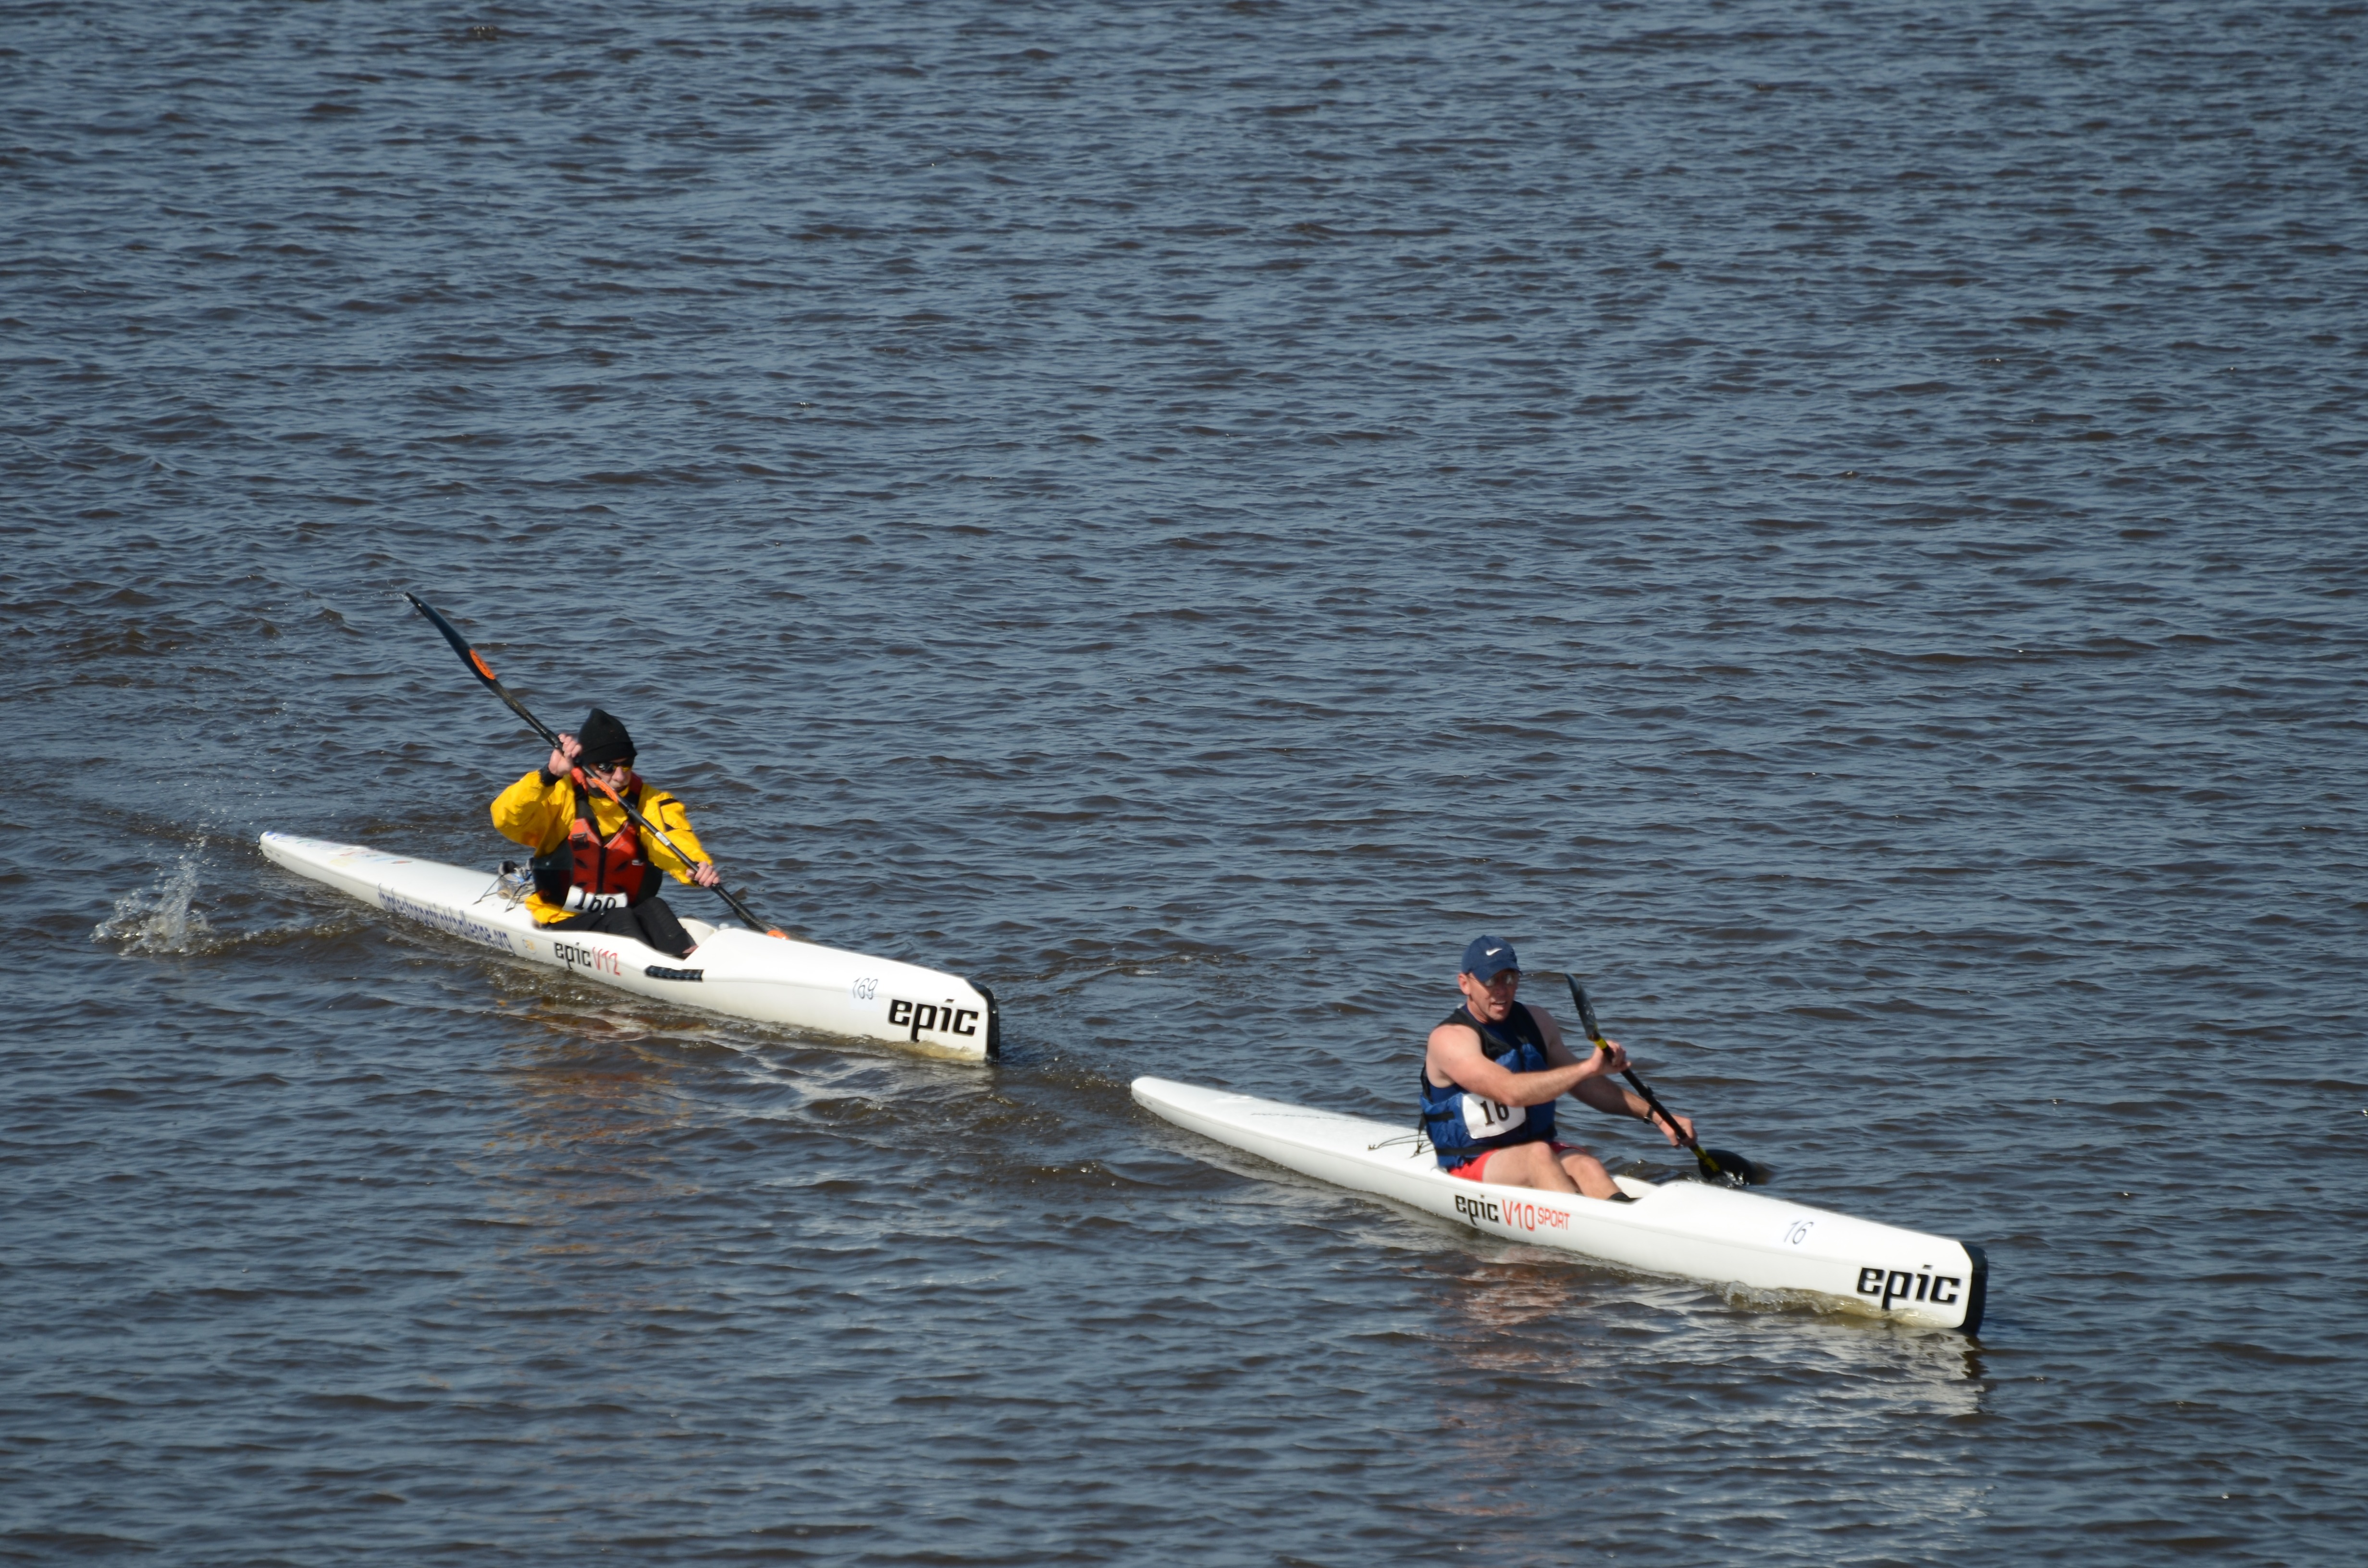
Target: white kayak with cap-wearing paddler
(1487,1157)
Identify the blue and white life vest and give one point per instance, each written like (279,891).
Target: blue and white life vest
(1461,1125)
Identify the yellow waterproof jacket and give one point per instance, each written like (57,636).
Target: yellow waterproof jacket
(537,815)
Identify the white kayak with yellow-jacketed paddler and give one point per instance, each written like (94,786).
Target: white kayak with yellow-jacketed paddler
(733,971)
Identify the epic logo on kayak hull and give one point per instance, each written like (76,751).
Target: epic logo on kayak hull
(1895,1285)
(937,1018)
(577,955)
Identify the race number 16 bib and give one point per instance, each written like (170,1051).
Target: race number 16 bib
(1487,1118)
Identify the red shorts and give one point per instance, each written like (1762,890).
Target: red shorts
(1470,1169)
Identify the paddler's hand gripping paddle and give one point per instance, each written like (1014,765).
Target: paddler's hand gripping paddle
(484,671)
(1729,1170)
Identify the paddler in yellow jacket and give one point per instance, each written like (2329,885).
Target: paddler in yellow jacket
(594,870)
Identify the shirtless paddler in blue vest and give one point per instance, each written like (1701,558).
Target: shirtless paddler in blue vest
(1490,1078)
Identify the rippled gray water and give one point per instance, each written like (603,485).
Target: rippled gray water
(1840,522)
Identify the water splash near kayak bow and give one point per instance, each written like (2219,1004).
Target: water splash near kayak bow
(161,918)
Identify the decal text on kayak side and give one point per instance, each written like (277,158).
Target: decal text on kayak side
(1512,1212)
(1535,1216)
(1477,1208)
(938,1018)
(1897,1285)
(574,954)
(447,920)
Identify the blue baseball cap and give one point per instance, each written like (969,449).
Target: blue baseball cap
(1487,958)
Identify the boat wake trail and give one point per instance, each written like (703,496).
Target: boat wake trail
(158,918)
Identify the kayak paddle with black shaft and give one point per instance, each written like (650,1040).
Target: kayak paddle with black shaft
(1730,1170)
(484,671)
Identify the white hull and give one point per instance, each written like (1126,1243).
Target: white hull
(1686,1228)
(735,972)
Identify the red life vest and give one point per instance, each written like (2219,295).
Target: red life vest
(588,872)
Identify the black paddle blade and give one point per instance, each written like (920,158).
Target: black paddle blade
(1739,1171)
(1585,1008)
(460,644)
(482,670)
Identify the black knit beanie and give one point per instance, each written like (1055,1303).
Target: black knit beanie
(603,740)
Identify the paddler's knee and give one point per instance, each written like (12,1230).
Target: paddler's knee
(1587,1171)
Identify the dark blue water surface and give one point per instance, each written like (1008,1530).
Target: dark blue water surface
(1841,522)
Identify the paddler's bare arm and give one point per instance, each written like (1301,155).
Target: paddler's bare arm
(1599,1092)
(1454,1055)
